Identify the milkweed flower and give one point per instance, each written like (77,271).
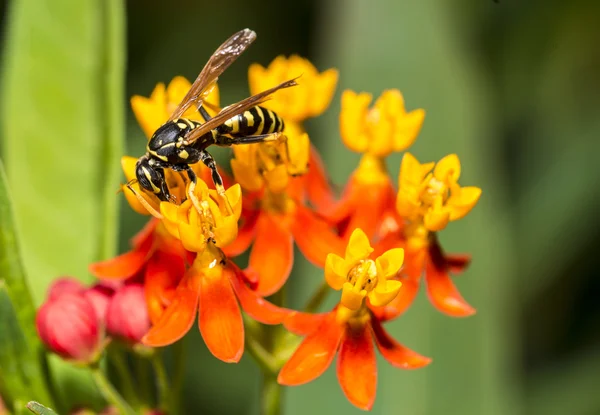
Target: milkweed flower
(127,314)
(351,328)
(309,99)
(212,286)
(375,132)
(429,197)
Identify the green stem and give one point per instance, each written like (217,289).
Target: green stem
(271,395)
(143,377)
(266,361)
(110,393)
(179,355)
(125,380)
(162,380)
(317,298)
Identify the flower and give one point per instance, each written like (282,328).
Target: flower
(435,197)
(274,218)
(153,111)
(99,295)
(352,326)
(211,220)
(68,326)
(382,129)
(127,314)
(359,277)
(310,99)
(64,285)
(211,288)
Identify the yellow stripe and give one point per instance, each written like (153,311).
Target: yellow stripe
(148,177)
(235,124)
(272,126)
(191,124)
(262,121)
(249,118)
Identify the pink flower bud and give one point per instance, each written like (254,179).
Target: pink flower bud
(127,315)
(99,296)
(64,285)
(69,327)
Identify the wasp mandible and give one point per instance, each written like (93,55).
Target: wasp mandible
(181,142)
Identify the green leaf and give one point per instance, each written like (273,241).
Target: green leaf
(21,358)
(39,409)
(62,131)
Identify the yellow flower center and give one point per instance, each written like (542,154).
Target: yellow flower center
(356,319)
(371,169)
(363,276)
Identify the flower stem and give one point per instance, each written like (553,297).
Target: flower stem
(110,393)
(317,298)
(266,361)
(122,370)
(271,395)
(179,355)
(162,380)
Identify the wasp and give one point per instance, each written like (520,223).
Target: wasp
(181,142)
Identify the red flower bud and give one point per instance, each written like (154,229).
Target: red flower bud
(69,327)
(99,296)
(64,285)
(127,314)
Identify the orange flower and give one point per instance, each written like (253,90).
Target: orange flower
(368,199)
(428,200)
(212,288)
(274,217)
(352,326)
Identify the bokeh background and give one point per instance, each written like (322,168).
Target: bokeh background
(512,87)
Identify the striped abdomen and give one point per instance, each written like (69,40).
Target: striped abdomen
(255,121)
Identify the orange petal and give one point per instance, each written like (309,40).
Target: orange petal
(246,232)
(441,290)
(272,255)
(374,200)
(314,355)
(315,238)
(123,266)
(163,272)
(318,187)
(220,318)
(457,263)
(147,232)
(303,324)
(395,353)
(404,299)
(357,367)
(177,319)
(255,306)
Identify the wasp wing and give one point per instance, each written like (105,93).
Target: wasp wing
(235,109)
(223,57)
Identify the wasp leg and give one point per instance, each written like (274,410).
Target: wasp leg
(204,113)
(209,162)
(144,202)
(250,139)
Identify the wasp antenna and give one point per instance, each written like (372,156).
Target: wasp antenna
(145,203)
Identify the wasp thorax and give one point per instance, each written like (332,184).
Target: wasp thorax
(363,275)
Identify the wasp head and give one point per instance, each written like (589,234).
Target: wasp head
(151,177)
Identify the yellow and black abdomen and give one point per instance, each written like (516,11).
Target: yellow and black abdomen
(256,121)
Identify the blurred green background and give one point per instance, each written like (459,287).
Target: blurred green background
(512,87)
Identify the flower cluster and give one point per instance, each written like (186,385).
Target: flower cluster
(375,242)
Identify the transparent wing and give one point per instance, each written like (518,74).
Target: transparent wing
(235,109)
(224,56)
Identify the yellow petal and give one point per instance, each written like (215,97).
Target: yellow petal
(325,85)
(246,176)
(151,112)
(298,149)
(383,294)
(226,232)
(407,202)
(353,120)
(447,169)
(352,298)
(128,166)
(412,172)
(407,129)
(436,219)
(389,263)
(170,220)
(277,179)
(335,271)
(191,237)
(358,247)
(462,201)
